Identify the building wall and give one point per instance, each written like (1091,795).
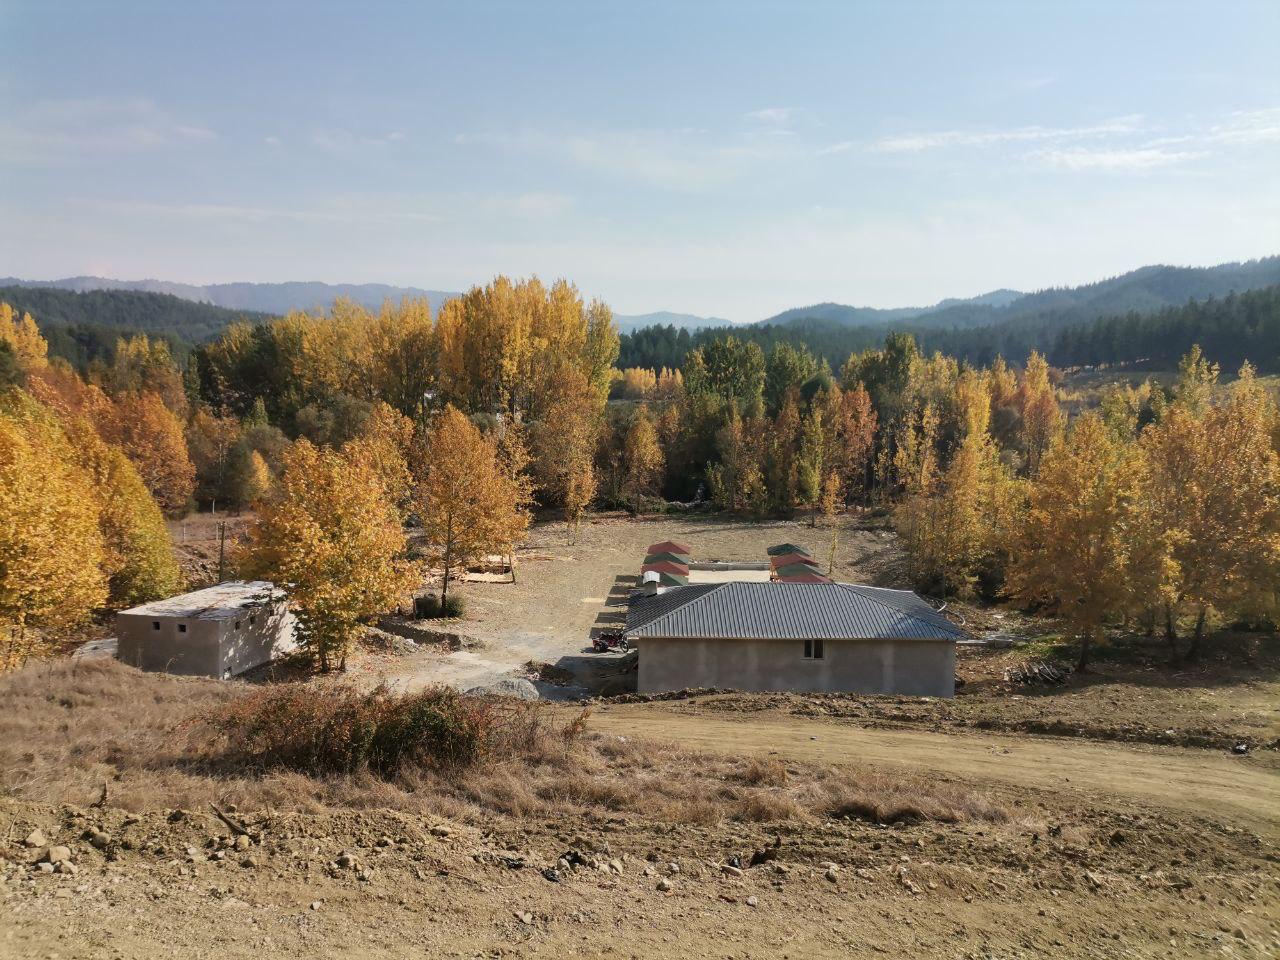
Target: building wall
(910,667)
(197,652)
(209,647)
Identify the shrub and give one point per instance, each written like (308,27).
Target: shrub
(429,608)
(339,730)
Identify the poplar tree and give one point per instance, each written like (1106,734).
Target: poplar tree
(467,503)
(1072,546)
(334,543)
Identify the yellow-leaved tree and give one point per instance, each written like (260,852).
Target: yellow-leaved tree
(468,504)
(23,337)
(1072,546)
(1214,486)
(51,550)
(643,460)
(334,543)
(138,552)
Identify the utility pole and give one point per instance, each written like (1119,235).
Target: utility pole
(222,550)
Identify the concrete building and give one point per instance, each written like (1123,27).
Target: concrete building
(220,631)
(805,637)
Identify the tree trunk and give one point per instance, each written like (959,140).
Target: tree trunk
(1086,646)
(1193,652)
(813,516)
(1170,628)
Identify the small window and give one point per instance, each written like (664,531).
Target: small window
(155,624)
(252,621)
(182,628)
(237,624)
(813,648)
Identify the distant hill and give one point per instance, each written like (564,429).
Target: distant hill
(846,316)
(628,322)
(274,298)
(1145,290)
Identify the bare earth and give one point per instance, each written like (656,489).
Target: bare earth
(1134,831)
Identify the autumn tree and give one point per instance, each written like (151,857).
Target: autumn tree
(563,445)
(23,338)
(1041,417)
(138,558)
(643,460)
(51,549)
(334,544)
(467,503)
(1073,544)
(152,437)
(1213,485)
(385,443)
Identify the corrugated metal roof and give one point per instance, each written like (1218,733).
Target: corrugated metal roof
(644,608)
(778,549)
(788,611)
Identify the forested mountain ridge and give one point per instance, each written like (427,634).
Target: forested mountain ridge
(1230,329)
(271,298)
(663,318)
(1144,290)
(85,326)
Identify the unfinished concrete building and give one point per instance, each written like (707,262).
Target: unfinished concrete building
(806,637)
(220,631)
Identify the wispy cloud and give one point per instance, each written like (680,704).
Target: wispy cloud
(1083,158)
(777,116)
(213,212)
(844,146)
(84,128)
(340,140)
(1130,143)
(918,142)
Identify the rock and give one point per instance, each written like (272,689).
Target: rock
(552,874)
(664,885)
(35,838)
(441,831)
(525,917)
(176,815)
(242,843)
(45,867)
(57,854)
(100,839)
(730,870)
(249,863)
(753,901)
(832,874)
(346,861)
(673,868)
(1240,749)
(315,904)
(364,874)
(65,866)
(615,865)
(1094,880)
(517,687)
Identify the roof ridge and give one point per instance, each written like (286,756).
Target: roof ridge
(857,588)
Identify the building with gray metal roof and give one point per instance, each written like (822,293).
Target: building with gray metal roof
(828,637)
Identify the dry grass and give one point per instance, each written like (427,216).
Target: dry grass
(71,727)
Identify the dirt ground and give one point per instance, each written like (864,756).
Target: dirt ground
(566,593)
(1135,830)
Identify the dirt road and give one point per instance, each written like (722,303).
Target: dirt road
(1198,782)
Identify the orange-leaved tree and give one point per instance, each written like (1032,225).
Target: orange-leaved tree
(468,504)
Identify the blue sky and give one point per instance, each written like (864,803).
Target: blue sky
(724,159)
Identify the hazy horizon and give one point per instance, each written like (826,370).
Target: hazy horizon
(721,160)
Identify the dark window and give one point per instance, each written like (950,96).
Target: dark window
(813,648)
(182,628)
(252,621)
(155,624)
(237,624)
(817,648)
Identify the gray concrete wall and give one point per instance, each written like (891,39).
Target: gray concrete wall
(208,648)
(910,667)
(198,652)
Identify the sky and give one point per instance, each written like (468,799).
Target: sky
(724,159)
